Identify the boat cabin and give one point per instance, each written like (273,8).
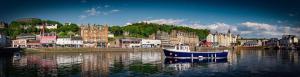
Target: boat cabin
(182,48)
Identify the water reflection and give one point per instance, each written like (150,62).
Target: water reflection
(148,63)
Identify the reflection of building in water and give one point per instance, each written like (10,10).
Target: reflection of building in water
(232,57)
(82,64)
(63,60)
(146,57)
(95,65)
(178,66)
(290,55)
(293,57)
(296,58)
(45,67)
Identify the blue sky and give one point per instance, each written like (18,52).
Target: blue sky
(250,18)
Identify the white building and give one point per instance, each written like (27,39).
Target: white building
(111,35)
(134,45)
(213,38)
(69,42)
(220,39)
(145,43)
(22,43)
(47,26)
(288,40)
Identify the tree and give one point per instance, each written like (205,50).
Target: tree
(66,28)
(70,33)
(116,30)
(62,34)
(146,29)
(238,42)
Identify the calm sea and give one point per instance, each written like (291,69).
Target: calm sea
(243,63)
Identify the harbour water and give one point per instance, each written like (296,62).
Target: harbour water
(242,63)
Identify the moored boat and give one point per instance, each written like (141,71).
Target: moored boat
(183,52)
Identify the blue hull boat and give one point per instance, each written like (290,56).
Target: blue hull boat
(174,60)
(195,55)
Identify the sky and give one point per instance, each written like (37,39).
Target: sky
(249,18)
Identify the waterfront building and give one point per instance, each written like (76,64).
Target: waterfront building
(211,41)
(273,42)
(48,39)
(70,42)
(164,37)
(223,40)
(26,41)
(114,43)
(94,35)
(146,43)
(288,41)
(33,44)
(250,42)
(22,43)
(189,38)
(130,42)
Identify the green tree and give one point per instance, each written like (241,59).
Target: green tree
(70,33)
(62,34)
(116,30)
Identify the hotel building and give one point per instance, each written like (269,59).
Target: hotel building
(94,35)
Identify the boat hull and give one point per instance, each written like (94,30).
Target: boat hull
(174,60)
(194,55)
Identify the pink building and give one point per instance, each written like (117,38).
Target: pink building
(48,39)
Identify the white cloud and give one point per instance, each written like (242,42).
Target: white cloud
(111,12)
(245,29)
(246,32)
(82,16)
(259,26)
(115,10)
(166,21)
(92,12)
(128,23)
(268,31)
(96,12)
(219,27)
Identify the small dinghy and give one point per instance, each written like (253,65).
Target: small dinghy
(183,52)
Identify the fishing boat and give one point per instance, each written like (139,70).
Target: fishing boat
(183,52)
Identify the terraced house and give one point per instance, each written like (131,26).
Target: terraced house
(222,39)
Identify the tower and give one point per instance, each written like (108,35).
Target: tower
(228,31)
